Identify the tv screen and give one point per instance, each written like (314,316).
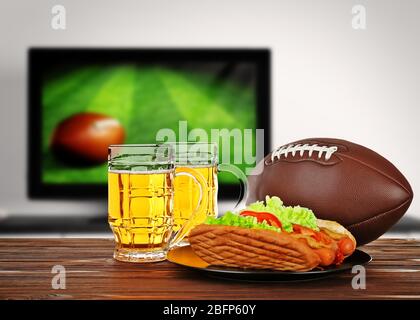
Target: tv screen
(144,91)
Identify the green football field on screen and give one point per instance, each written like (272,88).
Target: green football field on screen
(144,99)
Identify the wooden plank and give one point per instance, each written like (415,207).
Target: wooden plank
(92,273)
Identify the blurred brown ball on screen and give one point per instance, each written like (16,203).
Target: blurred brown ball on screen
(83,138)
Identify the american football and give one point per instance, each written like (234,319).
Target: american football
(83,138)
(340,180)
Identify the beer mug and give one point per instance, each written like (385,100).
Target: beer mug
(140,200)
(202,159)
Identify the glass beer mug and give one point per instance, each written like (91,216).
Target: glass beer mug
(202,159)
(141,182)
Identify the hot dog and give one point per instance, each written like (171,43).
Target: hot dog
(272,236)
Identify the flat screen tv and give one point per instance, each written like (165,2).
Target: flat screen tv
(145,90)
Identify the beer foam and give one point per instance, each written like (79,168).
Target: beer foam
(195,166)
(162,171)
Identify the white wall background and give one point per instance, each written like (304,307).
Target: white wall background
(327,79)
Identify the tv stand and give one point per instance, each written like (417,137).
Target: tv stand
(21,225)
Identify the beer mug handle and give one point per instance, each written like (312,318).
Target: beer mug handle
(226,167)
(201,182)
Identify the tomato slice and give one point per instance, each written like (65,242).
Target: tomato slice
(304,230)
(317,235)
(345,245)
(270,218)
(297,228)
(323,237)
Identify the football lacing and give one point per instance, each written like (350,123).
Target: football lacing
(285,150)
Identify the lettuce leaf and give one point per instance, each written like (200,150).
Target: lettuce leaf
(287,215)
(232,219)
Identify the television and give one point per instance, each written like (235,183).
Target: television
(145,90)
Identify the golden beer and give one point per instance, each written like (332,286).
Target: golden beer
(140,209)
(141,199)
(187,193)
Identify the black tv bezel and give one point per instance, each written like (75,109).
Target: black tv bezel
(39,57)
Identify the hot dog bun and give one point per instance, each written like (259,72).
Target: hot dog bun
(336,231)
(335,227)
(251,248)
(232,246)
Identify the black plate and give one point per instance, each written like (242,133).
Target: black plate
(184,256)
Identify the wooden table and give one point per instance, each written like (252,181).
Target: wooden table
(92,273)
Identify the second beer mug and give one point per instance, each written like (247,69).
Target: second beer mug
(140,200)
(202,159)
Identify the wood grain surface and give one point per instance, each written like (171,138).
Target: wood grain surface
(92,273)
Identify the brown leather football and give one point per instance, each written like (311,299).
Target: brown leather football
(339,180)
